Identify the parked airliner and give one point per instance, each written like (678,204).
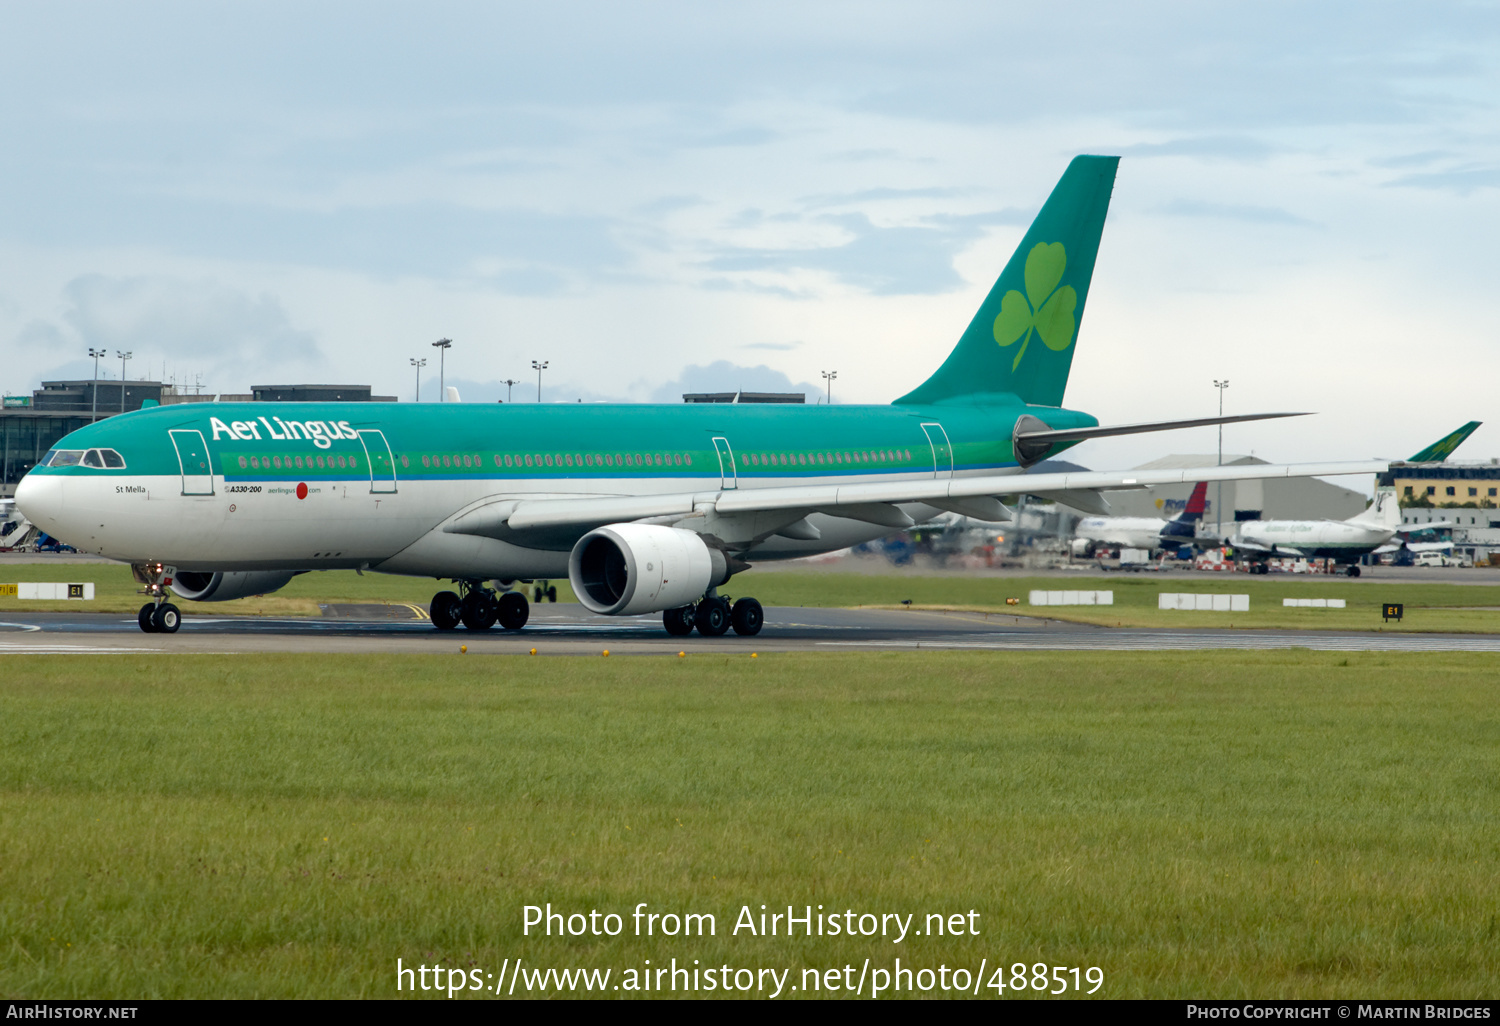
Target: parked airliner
(1345,541)
(1147,533)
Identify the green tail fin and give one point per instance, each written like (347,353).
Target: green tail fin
(1440,450)
(1021,340)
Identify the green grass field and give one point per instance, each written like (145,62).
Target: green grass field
(1429,607)
(1223,824)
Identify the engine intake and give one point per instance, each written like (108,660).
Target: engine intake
(624,569)
(198,586)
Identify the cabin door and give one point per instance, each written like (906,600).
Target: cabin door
(727,476)
(942,452)
(192,460)
(382,466)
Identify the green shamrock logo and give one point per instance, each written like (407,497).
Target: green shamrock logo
(1045,308)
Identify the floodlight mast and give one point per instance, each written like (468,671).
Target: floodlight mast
(539,366)
(1221,385)
(418,364)
(509,383)
(828,376)
(123,355)
(442,345)
(94,401)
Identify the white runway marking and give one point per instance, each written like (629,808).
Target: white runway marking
(1190,643)
(71,650)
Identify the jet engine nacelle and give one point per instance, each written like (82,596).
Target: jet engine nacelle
(623,569)
(197,586)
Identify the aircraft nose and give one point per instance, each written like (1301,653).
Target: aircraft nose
(40,498)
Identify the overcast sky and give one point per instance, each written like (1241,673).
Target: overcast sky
(667,197)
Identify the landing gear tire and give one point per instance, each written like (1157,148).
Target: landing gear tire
(512,611)
(144,617)
(712,617)
(679,622)
(166,619)
(478,610)
(746,616)
(446,610)
(1353,570)
(551,593)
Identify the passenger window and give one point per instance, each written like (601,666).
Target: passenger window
(342,462)
(687,458)
(321,462)
(528,459)
(299,462)
(243,463)
(255,462)
(426,461)
(354,462)
(276,462)
(405,462)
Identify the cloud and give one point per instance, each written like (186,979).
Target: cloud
(227,334)
(779,347)
(843,199)
(1223,147)
(1462,181)
(1236,212)
(894,260)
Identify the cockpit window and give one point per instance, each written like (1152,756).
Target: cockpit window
(112,459)
(63,458)
(93,459)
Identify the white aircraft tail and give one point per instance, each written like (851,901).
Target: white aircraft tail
(452,393)
(1385,511)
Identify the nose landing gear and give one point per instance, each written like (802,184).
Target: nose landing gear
(157,616)
(478,608)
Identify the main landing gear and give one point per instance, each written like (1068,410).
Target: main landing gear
(1353,570)
(713,616)
(479,608)
(157,616)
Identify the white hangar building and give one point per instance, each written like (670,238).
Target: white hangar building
(1293,498)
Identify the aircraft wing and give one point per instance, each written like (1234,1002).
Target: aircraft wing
(869,501)
(1428,546)
(1437,525)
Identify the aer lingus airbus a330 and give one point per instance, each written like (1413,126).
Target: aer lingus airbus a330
(644,508)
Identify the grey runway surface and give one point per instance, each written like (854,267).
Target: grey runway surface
(570,630)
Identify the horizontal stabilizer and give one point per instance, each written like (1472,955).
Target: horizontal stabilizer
(1437,525)
(1049,436)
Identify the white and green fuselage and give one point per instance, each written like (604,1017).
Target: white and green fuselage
(304,486)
